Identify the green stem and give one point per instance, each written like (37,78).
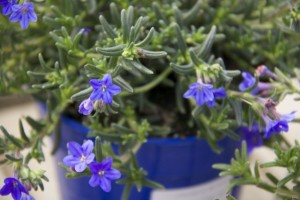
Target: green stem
(152,84)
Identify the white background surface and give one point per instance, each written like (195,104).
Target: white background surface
(9,118)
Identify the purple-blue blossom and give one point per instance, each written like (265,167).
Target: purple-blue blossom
(248,82)
(23,13)
(262,70)
(86,107)
(14,187)
(204,93)
(251,135)
(103,174)
(104,89)
(277,126)
(7,6)
(81,156)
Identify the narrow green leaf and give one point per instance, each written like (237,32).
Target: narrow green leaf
(197,61)
(22,132)
(130,16)
(83,94)
(178,16)
(115,14)
(137,66)
(181,42)
(13,158)
(147,39)
(111,33)
(111,51)
(14,140)
(207,44)
(151,54)
(34,124)
(183,69)
(192,13)
(256,171)
(137,28)
(125,26)
(286,179)
(98,149)
(152,184)
(126,191)
(94,69)
(123,84)
(91,6)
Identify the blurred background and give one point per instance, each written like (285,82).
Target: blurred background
(15,107)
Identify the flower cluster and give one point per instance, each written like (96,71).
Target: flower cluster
(81,157)
(22,13)
(274,121)
(17,190)
(103,91)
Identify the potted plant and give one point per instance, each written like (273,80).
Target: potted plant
(149,94)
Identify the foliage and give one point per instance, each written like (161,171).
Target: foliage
(154,52)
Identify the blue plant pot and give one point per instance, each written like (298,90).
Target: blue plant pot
(173,162)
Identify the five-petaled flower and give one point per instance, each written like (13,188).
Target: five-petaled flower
(7,6)
(104,89)
(86,107)
(23,13)
(251,135)
(277,126)
(81,156)
(204,93)
(14,187)
(103,174)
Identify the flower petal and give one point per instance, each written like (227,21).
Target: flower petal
(15,16)
(87,147)
(95,167)
(105,184)
(94,180)
(24,22)
(112,174)
(71,160)
(90,158)
(95,83)
(107,80)
(114,89)
(107,163)
(6,189)
(80,167)
(96,94)
(75,149)
(107,98)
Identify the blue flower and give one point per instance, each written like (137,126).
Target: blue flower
(7,6)
(86,107)
(263,70)
(248,82)
(104,89)
(218,93)
(23,13)
(26,197)
(277,126)
(103,174)
(251,136)
(80,156)
(204,93)
(14,187)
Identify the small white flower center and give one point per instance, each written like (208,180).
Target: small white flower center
(101,173)
(82,158)
(104,88)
